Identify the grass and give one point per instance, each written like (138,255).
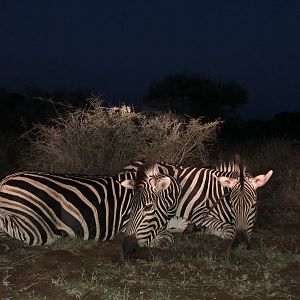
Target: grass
(73,243)
(33,296)
(197,267)
(205,269)
(90,285)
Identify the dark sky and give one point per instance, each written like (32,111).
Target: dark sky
(117,48)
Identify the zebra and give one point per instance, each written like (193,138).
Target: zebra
(38,208)
(219,201)
(154,203)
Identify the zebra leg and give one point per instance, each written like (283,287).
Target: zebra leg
(163,240)
(214,226)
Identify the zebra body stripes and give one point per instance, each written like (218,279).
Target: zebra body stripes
(219,201)
(37,208)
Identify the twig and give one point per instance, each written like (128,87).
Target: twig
(16,262)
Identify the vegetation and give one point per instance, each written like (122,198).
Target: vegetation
(10,152)
(101,140)
(195,95)
(197,272)
(198,267)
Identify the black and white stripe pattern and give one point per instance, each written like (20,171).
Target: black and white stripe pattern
(37,208)
(154,203)
(220,201)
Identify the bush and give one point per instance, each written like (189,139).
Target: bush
(101,140)
(282,156)
(10,149)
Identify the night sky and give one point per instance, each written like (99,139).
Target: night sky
(117,48)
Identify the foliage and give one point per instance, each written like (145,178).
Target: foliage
(287,123)
(18,113)
(197,267)
(283,157)
(195,95)
(101,140)
(10,149)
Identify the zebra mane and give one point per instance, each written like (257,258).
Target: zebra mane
(236,165)
(241,168)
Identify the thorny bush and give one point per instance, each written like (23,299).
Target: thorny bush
(101,140)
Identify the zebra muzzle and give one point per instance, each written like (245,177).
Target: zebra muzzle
(240,238)
(130,245)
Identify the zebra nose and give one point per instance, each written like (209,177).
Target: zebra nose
(130,245)
(241,237)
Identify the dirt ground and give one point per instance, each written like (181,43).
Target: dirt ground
(197,267)
(25,269)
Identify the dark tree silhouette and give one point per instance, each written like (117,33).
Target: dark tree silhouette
(195,95)
(287,124)
(19,112)
(75,98)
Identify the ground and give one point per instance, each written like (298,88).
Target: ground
(197,267)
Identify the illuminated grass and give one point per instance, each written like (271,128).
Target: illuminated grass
(74,243)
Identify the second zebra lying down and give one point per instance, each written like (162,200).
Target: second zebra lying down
(219,201)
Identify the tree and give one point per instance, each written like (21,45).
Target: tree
(195,95)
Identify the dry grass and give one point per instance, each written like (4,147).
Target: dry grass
(198,267)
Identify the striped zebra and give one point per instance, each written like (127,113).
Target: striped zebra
(38,208)
(220,201)
(154,203)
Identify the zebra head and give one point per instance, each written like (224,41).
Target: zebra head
(243,198)
(155,201)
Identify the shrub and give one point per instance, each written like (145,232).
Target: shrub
(283,157)
(101,140)
(10,149)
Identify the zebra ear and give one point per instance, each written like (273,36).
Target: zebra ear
(129,183)
(227,181)
(260,180)
(161,183)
